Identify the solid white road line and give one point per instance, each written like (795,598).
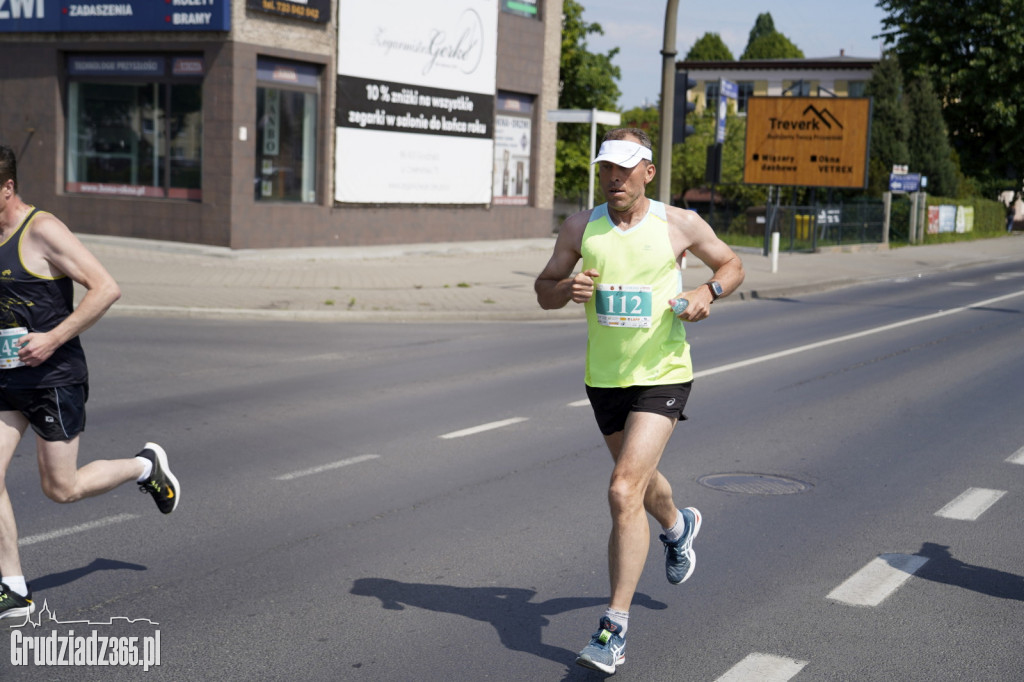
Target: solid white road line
(325,467)
(1017,457)
(484,427)
(840,339)
(971,504)
(80,528)
(850,337)
(764,668)
(881,577)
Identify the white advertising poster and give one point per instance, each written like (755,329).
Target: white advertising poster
(512,160)
(415,106)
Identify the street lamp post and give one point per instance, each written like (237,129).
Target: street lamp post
(668,89)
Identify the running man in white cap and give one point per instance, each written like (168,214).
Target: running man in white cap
(638,370)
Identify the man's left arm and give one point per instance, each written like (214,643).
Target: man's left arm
(65,254)
(727,268)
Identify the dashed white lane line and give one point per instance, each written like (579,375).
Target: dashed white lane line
(71,530)
(971,504)
(881,577)
(764,668)
(579,403)
(1017,457)
(325,467)
(490,426)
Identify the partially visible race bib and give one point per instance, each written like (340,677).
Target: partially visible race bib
(623,305)
(8,349)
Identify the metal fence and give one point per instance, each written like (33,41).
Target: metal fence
(808,228)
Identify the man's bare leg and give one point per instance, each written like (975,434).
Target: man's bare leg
(636,488)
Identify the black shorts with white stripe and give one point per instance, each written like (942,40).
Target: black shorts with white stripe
(55,413)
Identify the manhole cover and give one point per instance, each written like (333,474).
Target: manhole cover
(754,484)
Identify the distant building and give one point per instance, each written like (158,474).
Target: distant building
(281,123)
(840,76)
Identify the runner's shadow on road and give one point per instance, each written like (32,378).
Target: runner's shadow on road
(518,620)
(942,567)
(47,582)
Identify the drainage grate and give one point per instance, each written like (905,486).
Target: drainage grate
(754,484)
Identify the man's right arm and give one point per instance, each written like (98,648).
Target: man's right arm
(555,286)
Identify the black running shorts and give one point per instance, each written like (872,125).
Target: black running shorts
(613,405)
(54,413)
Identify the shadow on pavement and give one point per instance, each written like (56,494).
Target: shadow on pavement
(518,621)
(942,567)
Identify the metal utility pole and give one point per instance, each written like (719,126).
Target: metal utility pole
(668,94)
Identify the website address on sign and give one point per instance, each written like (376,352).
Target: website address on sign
(88,650)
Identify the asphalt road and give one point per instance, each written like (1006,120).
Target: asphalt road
(427,501)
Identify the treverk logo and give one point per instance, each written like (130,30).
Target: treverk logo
(821,118)
(118,642)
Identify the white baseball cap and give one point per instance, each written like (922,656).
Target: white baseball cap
(625,153)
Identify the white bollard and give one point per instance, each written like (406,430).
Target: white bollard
(775,252)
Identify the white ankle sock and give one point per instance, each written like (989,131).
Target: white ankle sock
(16,584)
(678,528)
(147,468)
(619,617)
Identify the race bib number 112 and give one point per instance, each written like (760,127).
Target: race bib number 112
(623,305)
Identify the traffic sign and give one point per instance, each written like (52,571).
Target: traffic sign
(904,182)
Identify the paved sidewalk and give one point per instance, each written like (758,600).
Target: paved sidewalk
(456,281)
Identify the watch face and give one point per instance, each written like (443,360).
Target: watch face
(716,288)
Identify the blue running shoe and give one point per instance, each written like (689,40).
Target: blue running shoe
(606,649)
(679,556)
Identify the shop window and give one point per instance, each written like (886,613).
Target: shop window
(135,126)
(746,91)
(287,100)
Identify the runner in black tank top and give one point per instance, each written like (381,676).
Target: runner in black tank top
(39,304)
(43,376)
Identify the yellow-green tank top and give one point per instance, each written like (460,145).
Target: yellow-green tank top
(633,337)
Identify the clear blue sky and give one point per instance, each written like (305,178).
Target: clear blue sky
(821,28)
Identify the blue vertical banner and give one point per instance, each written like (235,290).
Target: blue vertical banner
(97,16)
(726,90)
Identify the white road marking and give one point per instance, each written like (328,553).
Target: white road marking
(579,403)
(971,504)
(71,530)
(839,339)
(881,577)
(850,337)
(763,668)
(325,467)
(483,427)
(1017,457)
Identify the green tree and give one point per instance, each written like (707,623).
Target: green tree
(709,48)
(689,163)
(973,54)
(890,124)
(928,142)
(586,81)
(764,25)
(765,42)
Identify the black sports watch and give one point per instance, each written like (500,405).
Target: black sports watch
(716,290)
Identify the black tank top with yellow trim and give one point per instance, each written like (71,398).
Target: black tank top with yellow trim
(38,303)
